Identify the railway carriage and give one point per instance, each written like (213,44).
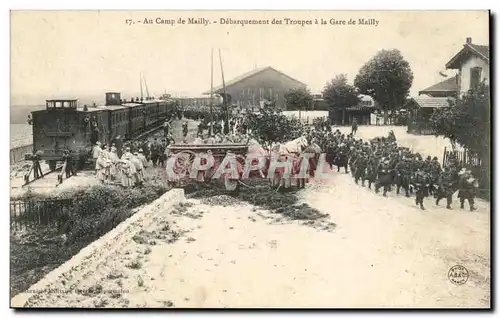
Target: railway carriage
(64,125)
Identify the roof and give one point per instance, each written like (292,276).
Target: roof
(431,102)
(131,104)
(90,109)
(448,85)
(113,107)
(252,73)
(482,51)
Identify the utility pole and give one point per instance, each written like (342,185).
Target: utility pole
(224,101)
(211,90)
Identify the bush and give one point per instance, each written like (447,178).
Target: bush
(94,212)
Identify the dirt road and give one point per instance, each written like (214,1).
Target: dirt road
(384,252)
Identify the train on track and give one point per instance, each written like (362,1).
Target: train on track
(66,125)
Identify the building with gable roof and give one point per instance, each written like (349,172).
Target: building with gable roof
(265,84)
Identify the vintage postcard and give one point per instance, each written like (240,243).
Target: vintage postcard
(250,159)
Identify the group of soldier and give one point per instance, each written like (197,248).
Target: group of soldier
(384,164)
(127,166)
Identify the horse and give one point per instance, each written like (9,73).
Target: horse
(295,148)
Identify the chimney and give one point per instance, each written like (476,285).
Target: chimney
(468,40)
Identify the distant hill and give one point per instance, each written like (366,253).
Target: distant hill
(19,113)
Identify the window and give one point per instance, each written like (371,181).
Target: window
(475,77)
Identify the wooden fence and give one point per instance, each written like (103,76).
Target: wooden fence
(17,154)
(33,213)
(420,128)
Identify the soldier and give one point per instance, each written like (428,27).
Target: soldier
(385,177)
(371,171)
(69,163)
(403,176)
(200,129)
(467,186)
(361,164)
(341,159)
(95,151)
(354,126)
(145,149)
(155,152)
(184,129)
(36,165)
(446,187)
(421,184)
(161,155)
(166,128)
(435,172)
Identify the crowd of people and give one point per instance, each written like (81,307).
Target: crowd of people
(127,166)
(380,162)
(384,164)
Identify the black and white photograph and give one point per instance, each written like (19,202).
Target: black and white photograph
(250,159)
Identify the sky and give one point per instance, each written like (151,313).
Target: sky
(58,54)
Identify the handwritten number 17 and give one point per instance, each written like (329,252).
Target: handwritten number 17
(128,21)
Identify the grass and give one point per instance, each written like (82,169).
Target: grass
(95,211)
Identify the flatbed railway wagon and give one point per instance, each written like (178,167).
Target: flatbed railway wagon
(182,157)
(65,125)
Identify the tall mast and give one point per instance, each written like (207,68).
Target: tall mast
(224,102)
(141,85)
(146,86)
(211,89)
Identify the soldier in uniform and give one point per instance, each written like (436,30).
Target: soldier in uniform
(155,152)
(421,184)
(371,171)
(69,163)
(161,156)
(385,177)
(446,187)
(403,176)
(200,129)
(166,128)
(434,169)
(184,129)
(36,165)
(467,185)
(361,165)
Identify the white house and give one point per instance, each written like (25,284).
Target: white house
(473,65)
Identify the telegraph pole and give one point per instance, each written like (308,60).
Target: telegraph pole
(211,91)
(224,101)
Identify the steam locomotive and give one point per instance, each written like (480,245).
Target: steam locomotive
(65,125)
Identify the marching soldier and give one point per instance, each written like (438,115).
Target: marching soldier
(446,187)
(403,176)
(385,177)
(467,189)
(421,184)
(361,164)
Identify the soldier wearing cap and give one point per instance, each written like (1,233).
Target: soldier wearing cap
(467,186)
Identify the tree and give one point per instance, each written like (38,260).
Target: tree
(298,99)
(339,95)
(272,126)
(468,121)
(387,77)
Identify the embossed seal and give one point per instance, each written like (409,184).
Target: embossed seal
(458,275)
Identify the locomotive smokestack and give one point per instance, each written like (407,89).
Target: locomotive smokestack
(113,99)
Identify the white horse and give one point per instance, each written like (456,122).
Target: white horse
(293,147)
